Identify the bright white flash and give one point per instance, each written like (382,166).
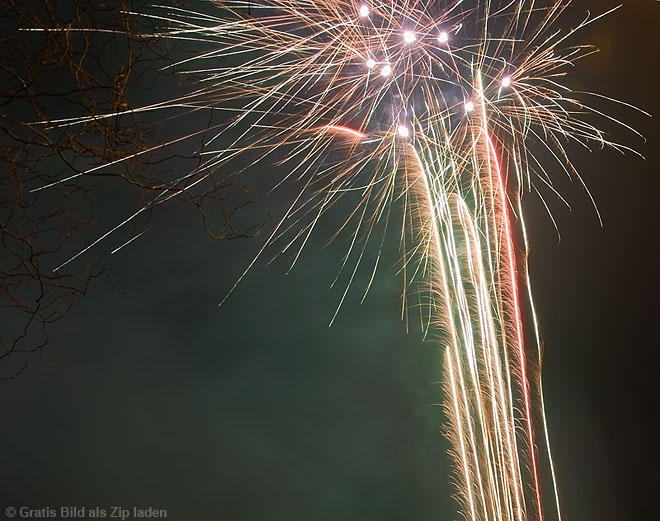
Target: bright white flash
(506,81)
(469,106)
(409,37)
(386,71)
(443,38)
(371,63)
(403,131)
(364,10)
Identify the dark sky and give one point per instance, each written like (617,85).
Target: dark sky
(257,410)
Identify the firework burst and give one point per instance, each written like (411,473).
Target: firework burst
(438,115)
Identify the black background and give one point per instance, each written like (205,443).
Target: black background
(258,410)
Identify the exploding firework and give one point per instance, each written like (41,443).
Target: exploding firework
(437,116)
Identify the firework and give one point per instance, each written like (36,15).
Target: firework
(426,111)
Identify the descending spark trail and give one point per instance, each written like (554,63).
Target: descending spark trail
(432,106)
(480,385)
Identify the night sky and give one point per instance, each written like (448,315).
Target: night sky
(257,410)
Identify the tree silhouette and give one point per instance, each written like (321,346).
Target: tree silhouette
(64,66)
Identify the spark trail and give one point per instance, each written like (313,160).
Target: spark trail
(424,109)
